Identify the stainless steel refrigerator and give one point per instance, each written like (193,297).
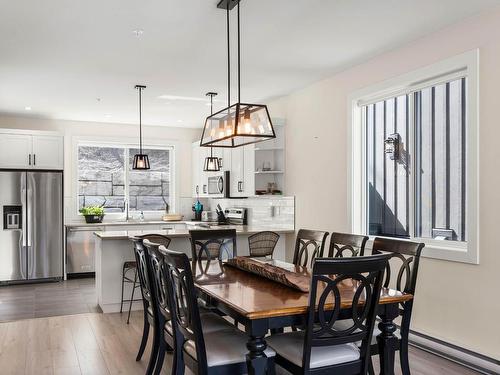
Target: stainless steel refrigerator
(31,235)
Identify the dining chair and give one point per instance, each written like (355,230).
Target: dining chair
(132,265)
(150,314)
(346,244)
(320,348)
(262,244)
(406,255)
(164,339)
(213,244)
(222,352)
(309,244)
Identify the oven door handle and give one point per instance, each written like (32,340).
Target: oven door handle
(220,185)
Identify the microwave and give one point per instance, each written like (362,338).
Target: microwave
(219,185)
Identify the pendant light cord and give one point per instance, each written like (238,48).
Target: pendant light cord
(228,59)
(140,120)
(239,63)
(211,113)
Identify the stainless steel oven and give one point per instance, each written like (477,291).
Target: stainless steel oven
(218,186)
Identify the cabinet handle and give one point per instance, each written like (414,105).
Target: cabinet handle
(29,159)
(204,189)
(34,159)
(240,186)
(197,189)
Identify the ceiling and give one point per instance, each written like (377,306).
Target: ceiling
(80,60)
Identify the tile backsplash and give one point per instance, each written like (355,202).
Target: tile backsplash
(264,212)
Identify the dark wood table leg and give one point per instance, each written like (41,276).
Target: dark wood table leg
(256,358)
(387,341)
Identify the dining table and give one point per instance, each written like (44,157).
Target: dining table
(262,305)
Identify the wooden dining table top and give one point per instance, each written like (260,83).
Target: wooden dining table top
(256,297)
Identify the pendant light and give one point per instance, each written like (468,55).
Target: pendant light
(212,164)
(141,161)
(241,123)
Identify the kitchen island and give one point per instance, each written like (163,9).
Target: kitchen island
(113,248)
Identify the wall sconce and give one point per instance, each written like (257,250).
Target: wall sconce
(391,146)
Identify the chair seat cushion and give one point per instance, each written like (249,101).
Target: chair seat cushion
(210,322)
(224,347)
(290,346)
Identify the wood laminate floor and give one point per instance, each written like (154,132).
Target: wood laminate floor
(47,299)
(96,344)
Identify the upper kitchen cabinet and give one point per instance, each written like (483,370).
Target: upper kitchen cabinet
(31,151)
(242,171)
(48,152)
(16,151)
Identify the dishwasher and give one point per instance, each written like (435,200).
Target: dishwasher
(80,250)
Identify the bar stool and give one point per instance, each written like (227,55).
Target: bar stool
(262,244)
(132,266)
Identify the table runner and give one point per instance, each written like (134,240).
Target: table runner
(296,277)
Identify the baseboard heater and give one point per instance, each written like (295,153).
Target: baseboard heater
(465,357)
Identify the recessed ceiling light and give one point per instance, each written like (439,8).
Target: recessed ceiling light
(27,108)
(138,32)
(179,120)
(108,115)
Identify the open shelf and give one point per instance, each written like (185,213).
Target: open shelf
(268,172)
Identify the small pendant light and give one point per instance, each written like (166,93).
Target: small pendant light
(141,161)
(212,164)
(241,123)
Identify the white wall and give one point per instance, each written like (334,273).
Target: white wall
(181,138)
(458,303)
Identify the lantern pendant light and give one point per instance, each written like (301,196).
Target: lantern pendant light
(212,163)
(241,123)
(141,161)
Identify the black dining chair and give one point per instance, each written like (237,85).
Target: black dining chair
(346,244)
(132,265)
(220,353)
(262,244)
(309,244)
(213,244)
(150,312)
(401,274)
(320,348)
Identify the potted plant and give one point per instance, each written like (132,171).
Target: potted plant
(93,214)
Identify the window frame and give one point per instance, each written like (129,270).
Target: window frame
(125,143)
(463,65)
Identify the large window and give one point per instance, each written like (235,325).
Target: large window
(437,128)
(106,177)
(415,156)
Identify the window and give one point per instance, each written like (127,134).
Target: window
(106,177)
(414,159)
(438,130)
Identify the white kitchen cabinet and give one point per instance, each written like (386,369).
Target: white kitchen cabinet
(16,151)
(47,152)
(31,151)
(242,171)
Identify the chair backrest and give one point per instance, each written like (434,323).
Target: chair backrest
(158,278)
(185,311)
(309,245)
(142,260)
(345,244)
(262,244)
(361,278)
(159,239)
(408,253)
(213,244)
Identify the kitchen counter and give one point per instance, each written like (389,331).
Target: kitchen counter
(176,233)
(120,223)
(113,248)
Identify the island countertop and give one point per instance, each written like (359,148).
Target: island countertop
(184,233)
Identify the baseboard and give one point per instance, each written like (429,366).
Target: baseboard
(465,357)
(115,307)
